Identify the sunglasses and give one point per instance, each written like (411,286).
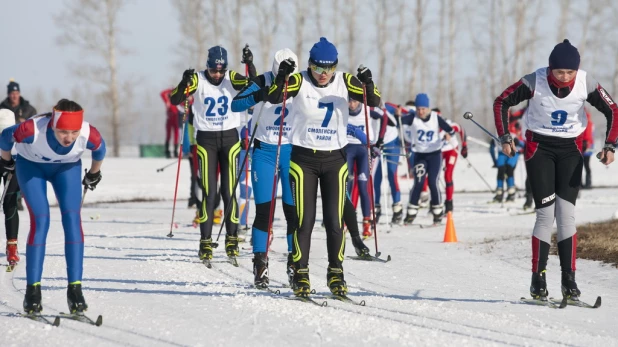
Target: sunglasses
(219,71)
(321,70)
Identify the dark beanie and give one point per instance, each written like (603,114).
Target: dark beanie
(564,56)
(217,58)
(12,87)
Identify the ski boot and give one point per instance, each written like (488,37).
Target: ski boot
(367,227)
(448,206)
(512,192)
(75,298)
(205,251)
(438,213)
(32,299)
(499,195)
(176,151)
(289,269)
(411,214)
(192,202)
(218,216)
(336,283)
(528,203)
(569,287)
(588,184)
(11,251)
(360,248)
(378,212)
(231,246)
(301,284)
(538,286)
(260,270)
(424,199)
(397,213)
(168,154)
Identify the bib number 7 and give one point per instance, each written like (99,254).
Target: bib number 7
(329,106)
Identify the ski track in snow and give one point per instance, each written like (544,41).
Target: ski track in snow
(153,290)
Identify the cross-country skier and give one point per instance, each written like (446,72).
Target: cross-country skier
(268,118)
(555,120)
(49,149)
(172,123)
(9,205)
(318,136)
(425,127)
(217,140)
(450,152)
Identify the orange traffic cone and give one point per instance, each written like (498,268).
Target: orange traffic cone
(449,232)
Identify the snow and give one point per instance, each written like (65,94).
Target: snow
(153,291)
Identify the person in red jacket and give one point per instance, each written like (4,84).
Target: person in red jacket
(588,149)
(171,123)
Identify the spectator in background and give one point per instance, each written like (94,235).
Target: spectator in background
(587,150)
(172,122)
(16,103)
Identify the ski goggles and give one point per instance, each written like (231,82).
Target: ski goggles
(219,71)
(322,69)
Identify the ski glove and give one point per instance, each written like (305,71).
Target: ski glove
(247,55)
(375,151)
(7,166)
(364,74)
(464,151)
(286,67)
(91,180)
(187,76)
(379,143)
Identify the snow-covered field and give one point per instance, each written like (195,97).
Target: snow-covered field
(152,290)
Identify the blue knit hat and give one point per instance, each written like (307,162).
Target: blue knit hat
(217,58)
(564,56)
(323,53)
(422,100)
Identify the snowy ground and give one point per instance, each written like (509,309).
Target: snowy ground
(152,290)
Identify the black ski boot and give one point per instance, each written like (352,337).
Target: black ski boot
(360,248)
(336,283)
(438,213)
(397,213)
(231,246)
(168,154)
(260,270)
(378,211)
(528,203)
(538,286)
(569,287)
(411,214)
(176,151)
(512,194)
(289,269)
(448,206)
(32,300)
(75,299)
(205,251)
(301,285)
(499,195)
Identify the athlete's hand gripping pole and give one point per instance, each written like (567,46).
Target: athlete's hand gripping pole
(362,69)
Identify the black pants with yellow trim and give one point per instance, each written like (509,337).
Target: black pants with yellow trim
(328,168)
(217,148)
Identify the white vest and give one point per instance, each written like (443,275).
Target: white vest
(320,115)
(212,105)
(391,131)
(453,143)
(39,151)
(548,115)
(359,121)
(270,117)
(426,135)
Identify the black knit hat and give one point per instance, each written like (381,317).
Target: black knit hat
(12,87)
(564,56)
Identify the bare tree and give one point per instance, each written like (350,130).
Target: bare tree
(266,30)
(563,20)
(196,21)
(92,26)
(299,24)
(418,43)
(397,55)
(441,54)
(452,35)
(381,26)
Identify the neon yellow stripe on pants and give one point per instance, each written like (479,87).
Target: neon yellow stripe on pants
(233,154)
(343,174)
(202,161)
(297,177)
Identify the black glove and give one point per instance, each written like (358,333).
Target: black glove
(187,76)
(464,151)
(91,180)
(286,67)
(375,150)
(379,143)
(364,75)
(247,55)
(7,166)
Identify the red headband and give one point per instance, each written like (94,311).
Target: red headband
(68,120)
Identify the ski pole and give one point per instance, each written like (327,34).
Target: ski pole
(9,177)
(182,135)
(273,196)
(166,166)
(373,211)
(384,195)
(469,115)
(233,191)
(477,171)
(83,196)
(245,208)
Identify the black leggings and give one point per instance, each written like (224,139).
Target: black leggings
(9,206)
(554,168)
(217,148)
(329,169)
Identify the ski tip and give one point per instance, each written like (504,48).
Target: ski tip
(378,254)
(56,322)
(563,303)
(388,258)
(312,291)
(362,303)
(324,304)
(99,321)
(597,303)
(277,292)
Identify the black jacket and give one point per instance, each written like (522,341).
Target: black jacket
(24,110)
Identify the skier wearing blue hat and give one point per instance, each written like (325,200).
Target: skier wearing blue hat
(318,135)
(217,139)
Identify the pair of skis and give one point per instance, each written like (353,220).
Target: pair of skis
(320,301)
(230,259)
(79,317)
(554,303)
